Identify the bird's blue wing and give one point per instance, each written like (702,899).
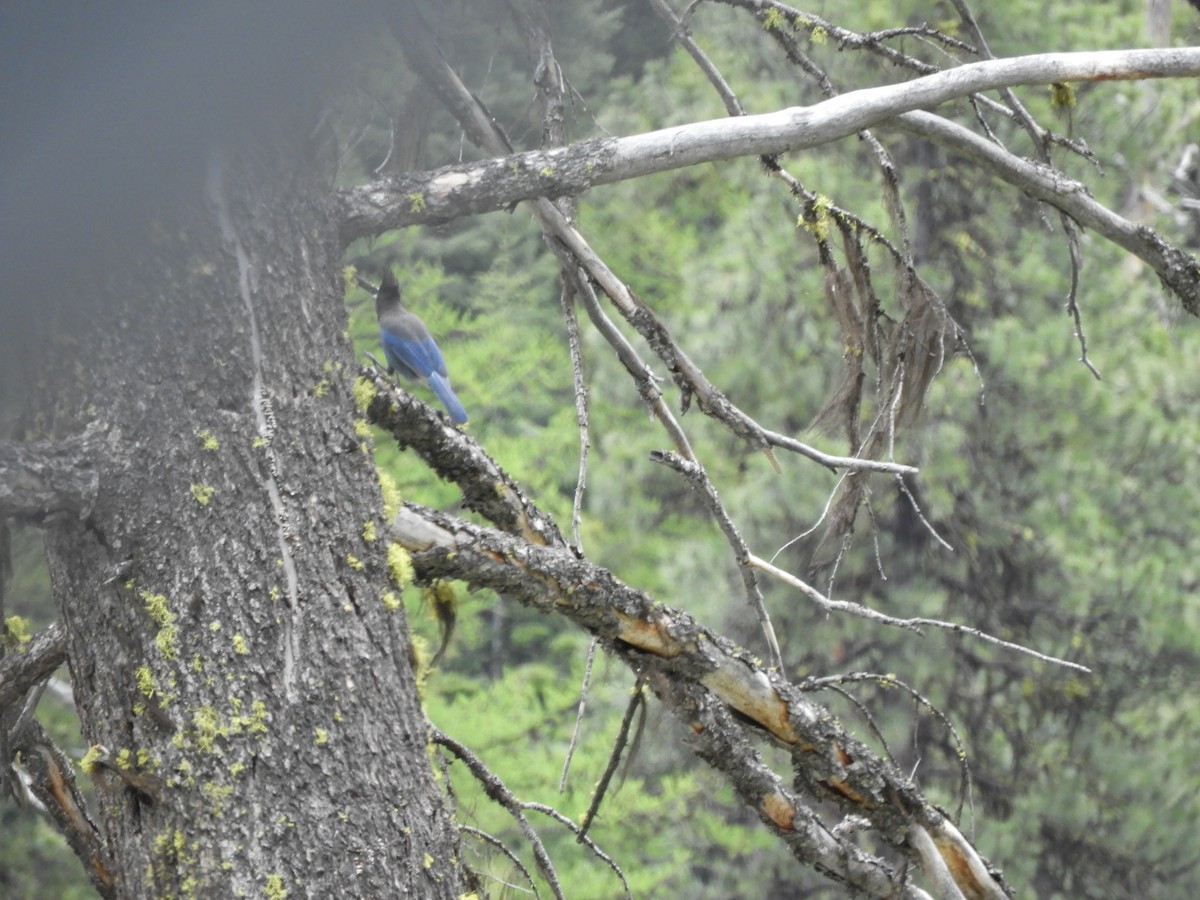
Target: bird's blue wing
(412,351)
(413,358)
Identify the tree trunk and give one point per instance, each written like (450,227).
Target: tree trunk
(229,646)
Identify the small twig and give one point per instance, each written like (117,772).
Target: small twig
(1042,138)
(912,624)
(647,384)
(870,508)
(817,524)
(960,749)
(567,301)
(695,475)
(851,472)
(512,857)
(1073,292)
(496,790)
(921,515)
(682,33)
(848,463)
(862,711)
(583,695)
(614,759)
(499,792)
(582,838)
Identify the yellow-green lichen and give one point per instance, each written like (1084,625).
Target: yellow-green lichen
(145,681)
(1062,95)
(274,889)
(391,601)
(207,727)
(217,795)
(164,640)
(240,646)
(391,495)
(17,633)
(159,610)
(362,429)
(369,534)
(416,202)
(257,721)
(364,392)
(259,442)
(354,562)
(90,761)
(208,440)
(203,493)
(399,565)
(324,386)
(274,593)
(322,737)
(173,857)
(819,35)
(773,20)
(420,658)
(817,220)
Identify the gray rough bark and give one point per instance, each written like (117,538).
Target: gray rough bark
(226,636)
(724,696)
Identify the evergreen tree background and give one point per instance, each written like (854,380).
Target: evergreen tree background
(1067,501)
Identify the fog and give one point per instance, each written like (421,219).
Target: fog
(109,111)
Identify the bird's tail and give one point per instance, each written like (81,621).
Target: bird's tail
(445,393)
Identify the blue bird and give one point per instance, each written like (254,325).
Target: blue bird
(410,348)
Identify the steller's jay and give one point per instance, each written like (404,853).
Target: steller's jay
(410,349)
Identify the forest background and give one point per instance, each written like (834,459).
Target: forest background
(1064,504)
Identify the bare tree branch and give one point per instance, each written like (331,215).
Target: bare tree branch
(36,661)
(471,188)
(829,762)
(1178,270)
(455,456)
(695,475)
(41,478)
(498,791)
(50,779)
(910,624)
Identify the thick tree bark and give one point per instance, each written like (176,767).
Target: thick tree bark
(227,640)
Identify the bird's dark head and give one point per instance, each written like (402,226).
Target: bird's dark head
(388,293)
